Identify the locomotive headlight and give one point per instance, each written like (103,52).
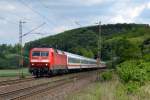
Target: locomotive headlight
(32,64)
(46,64)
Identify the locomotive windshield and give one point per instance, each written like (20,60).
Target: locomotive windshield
(44,53)
(36,53)
(40,53)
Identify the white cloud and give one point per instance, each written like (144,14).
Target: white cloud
(118,19)
(127,13)
(135,12)
(59,29)
(92,2)
(7,7)
(84,2)
(148,5)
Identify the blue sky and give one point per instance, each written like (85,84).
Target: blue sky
(61,15)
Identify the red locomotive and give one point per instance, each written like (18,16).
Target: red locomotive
(47,61)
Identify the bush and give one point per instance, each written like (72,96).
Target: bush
(146,67)
(125,71)
(134,73)
(106,76)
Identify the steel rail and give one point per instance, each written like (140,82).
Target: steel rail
(28,90)
(10,82)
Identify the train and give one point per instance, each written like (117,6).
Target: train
(50,61)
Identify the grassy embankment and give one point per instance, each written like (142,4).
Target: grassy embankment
(110,90)
(13,72)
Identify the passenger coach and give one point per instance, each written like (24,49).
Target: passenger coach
(47,61)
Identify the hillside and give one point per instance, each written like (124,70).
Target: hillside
(83,40)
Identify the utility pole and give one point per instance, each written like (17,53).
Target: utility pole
(99,41)
(21,48)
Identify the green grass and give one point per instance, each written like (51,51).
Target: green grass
(109,90)
(13,72)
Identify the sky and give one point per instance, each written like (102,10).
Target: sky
(57,16)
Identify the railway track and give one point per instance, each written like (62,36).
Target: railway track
(32,90)
(11,82)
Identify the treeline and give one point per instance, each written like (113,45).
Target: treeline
(8,56)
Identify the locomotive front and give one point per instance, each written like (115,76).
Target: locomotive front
(39,61)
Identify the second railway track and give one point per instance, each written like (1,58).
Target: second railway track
(32,90)
(10,82)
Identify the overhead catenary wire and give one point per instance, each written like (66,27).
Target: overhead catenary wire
(45,6)
(34,30)
(35,11)
(10,21)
